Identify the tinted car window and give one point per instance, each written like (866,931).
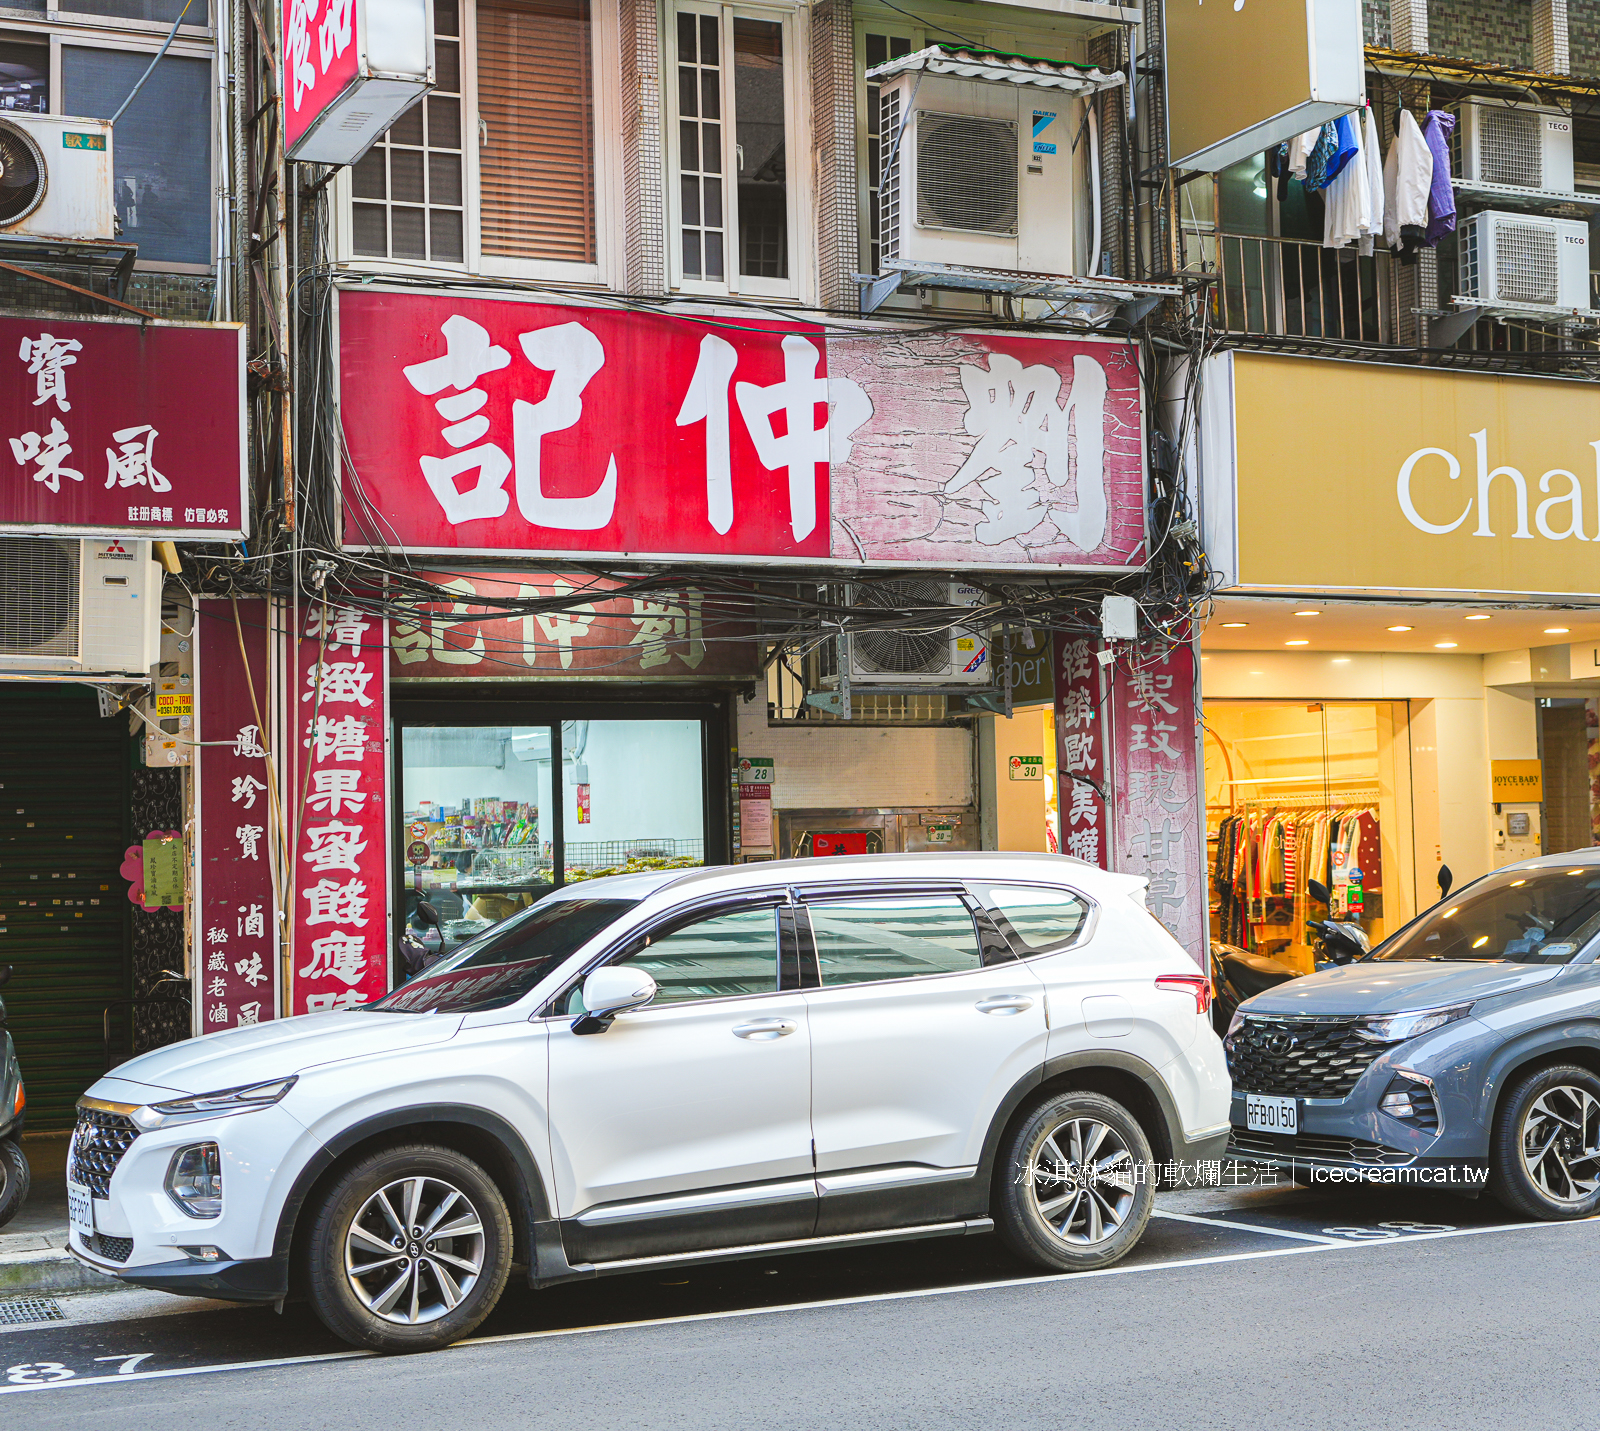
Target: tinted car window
(862,941)
(1038,919)
(499,968)
(1526,916)
(715,958)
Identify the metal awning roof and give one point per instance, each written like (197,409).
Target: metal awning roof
(996,67)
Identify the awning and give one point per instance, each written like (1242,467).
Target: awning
(997,67)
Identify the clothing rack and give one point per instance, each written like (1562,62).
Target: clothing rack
(1344,800)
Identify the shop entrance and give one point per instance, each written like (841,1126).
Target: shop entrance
(1307,791)
(499,806)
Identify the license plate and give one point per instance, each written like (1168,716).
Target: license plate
(80,1209)
(1271,1115)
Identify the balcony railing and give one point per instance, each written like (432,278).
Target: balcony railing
(1295,288)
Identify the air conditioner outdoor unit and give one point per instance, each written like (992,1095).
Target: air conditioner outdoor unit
(955,656)
(1521,146)
(72,607)
(980,176)
(55,177)
(1524,258)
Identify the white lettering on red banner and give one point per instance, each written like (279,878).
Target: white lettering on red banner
(1081,754)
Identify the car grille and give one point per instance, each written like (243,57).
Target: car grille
(1305,1057)
(98,1143)
(1308,1145)
(113,1249)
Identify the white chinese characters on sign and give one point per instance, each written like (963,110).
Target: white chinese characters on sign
(333,39)
(1081,751)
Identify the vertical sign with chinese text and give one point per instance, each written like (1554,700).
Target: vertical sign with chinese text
(1156,789)
(1081,756)
(339,717)
(235,924)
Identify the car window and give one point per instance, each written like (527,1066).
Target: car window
(714,958)
(865,940)
(503,965)
(1036,919)
(1537,916)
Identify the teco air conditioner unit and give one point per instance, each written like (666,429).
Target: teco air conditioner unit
(1524,258)
(75,608)
(1517,145)
(981,175)
(55,177)
(953,656)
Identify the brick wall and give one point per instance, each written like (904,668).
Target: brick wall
(1489,31)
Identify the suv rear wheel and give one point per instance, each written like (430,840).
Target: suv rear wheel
(1076,1191)
(410,1250)
(1544,1150)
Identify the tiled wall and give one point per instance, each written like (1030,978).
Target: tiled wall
(1583,38)
(1375,21)
(1489,31)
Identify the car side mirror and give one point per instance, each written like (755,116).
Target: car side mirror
(1446,879)
(1319,891)
(611,991)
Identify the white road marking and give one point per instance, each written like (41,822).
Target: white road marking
(1121,1270)
(1248,1227)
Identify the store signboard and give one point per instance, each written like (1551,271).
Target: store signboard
(1414,479)
(1157,788)
(121,427)
(235,911)
(1518,781)
(588,634)
(1243,77)
(488,425)
(1082,749)
(340,719)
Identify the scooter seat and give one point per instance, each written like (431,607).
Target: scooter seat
(1254,973)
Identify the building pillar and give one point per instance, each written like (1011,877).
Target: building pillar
(644,253)
(1551,55)
(1408,25)
(833,119)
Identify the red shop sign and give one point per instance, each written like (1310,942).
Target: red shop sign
(117,427)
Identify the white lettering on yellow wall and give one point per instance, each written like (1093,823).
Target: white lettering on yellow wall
(1568,494)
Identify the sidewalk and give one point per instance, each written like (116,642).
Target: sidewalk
(33,1245)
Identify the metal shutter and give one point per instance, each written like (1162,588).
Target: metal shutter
(63,905)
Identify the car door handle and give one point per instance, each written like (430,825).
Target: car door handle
(1004,1004)
(765,1030)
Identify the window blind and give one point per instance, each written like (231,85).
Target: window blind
(536,113)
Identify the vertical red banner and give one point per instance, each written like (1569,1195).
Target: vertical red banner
(1082,760)
(1156,789)
(235,914)
(339,719)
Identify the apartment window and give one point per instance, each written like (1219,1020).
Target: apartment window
(536,129)
(25,77)
(730,149)
(407,191)
(879,50)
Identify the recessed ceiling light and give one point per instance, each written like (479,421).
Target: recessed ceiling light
(1556,630)
(1308,613)
(1296,643)
(1399,628)
(1444,645)
(1341,660)
(1478,616)
(1231,625)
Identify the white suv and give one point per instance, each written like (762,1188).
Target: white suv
(675,1067)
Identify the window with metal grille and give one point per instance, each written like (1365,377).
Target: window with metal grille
(966,173)
(1526,263)
(880,49)
(407,191)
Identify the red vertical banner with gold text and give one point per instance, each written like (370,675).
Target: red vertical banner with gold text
(1157,788)
(339,719)
(235,914)
(1081,749)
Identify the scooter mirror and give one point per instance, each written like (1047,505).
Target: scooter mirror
(5,973)
(1319,891)
(426,915)
(1446,879)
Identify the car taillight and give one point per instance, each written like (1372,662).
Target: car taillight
(1196,985)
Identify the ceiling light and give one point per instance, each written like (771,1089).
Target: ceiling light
(1556,630)
(1444,645)
(1478,616)
(1230,625)
(1341,660)
(1399,628)
(1296,643)
(1308,613)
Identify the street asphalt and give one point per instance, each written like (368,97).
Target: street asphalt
(1241,1308)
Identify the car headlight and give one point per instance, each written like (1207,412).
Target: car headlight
(194,1180)
(1234,1025)
(212,1105)
(1397,1028)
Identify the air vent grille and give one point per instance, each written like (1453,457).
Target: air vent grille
(22,174)
(38,596)
(889,183)
(1510,148)
(1526,264)
(966,173)
(903,653)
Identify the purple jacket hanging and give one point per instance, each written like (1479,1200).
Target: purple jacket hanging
(1436,130)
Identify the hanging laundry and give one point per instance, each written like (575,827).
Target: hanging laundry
(1348,216)
(1407,179)
(1371,157)
(1300,148)
(1347,147)
(1441,197)
(1317,161)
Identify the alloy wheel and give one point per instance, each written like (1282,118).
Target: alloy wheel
(1082,1180)
(1561,1143)
(414,1250)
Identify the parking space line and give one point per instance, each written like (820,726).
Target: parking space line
(1328,1246)
(1248,1227)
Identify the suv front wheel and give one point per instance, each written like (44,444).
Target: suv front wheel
(1544,1150)
(410,1250)
(1077,1189)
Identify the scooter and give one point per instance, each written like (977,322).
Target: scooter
(14,1175)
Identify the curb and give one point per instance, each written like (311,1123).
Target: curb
(50,1270)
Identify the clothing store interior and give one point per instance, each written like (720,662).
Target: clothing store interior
(1305,791)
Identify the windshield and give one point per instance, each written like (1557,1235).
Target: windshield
(499,967)
(1542,916)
